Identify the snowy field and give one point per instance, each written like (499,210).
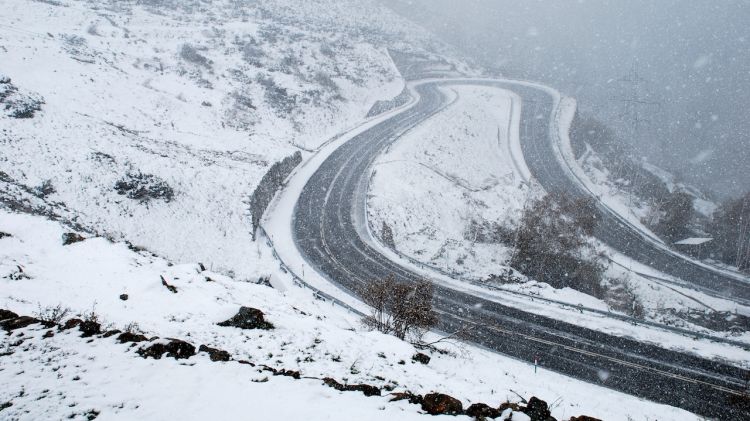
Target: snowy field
(200,96)
(65,375)
(455,169)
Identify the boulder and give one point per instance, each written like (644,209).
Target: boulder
(368,390)
(439,404)
(248,318)
(333,383)
(71,237)
(7,314)
(421,358)
(110,333)
(131,337)
(174,348)
(215,354)
(18,323)
(89,328)
(71,323)
(124,297)
(584,418)
(537,409)
(482,410)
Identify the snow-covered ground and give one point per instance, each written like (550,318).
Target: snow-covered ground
(199,96)
(455,171)
(57,377)
(197,99)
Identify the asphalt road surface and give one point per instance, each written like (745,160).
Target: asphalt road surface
(328,224)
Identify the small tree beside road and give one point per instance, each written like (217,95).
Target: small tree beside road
(401,309)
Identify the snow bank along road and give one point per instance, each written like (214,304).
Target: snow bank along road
(325,227)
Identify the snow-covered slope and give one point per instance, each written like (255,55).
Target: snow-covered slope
(191,100)
(456,176)
(53,378)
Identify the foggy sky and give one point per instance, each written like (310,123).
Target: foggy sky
(694,57)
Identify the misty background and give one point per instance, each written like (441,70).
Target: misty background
(671,77)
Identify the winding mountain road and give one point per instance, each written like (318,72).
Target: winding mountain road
(330,231)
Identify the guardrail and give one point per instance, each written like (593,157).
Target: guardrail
(320,295)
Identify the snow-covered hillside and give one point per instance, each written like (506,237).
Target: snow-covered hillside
(190,101)
(68,376)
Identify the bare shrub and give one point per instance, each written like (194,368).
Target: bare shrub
(400,309)
(144,187)
(52,314)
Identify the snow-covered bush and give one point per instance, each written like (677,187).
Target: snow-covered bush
(144,187)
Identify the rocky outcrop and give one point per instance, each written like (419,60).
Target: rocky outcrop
(421,358)
(71,238)
(537,410)
(441,404)
(482,410)
(174,348)
(248,318)
(7,314)
(584,418)
(367,389)
(126,337)
(18,323)
(215,354)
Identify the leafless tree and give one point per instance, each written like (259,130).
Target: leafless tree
(400,309)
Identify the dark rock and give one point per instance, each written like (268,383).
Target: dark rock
(124,297)
(4,234)
(71,323)
(415,399)
(174,348)
(7,314)
(421,358)
(509,405)
(89,328)
(248,318)
(5,405)
(289,373)
(71,237)
(171,288)
(48,334)
(110,333)
(333,383)
(584,418)
(537,409)
(479,410)
(215,354)
(246,362)
(368,390)
(131,337)
(201,267)
(18,323)
(439,404)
